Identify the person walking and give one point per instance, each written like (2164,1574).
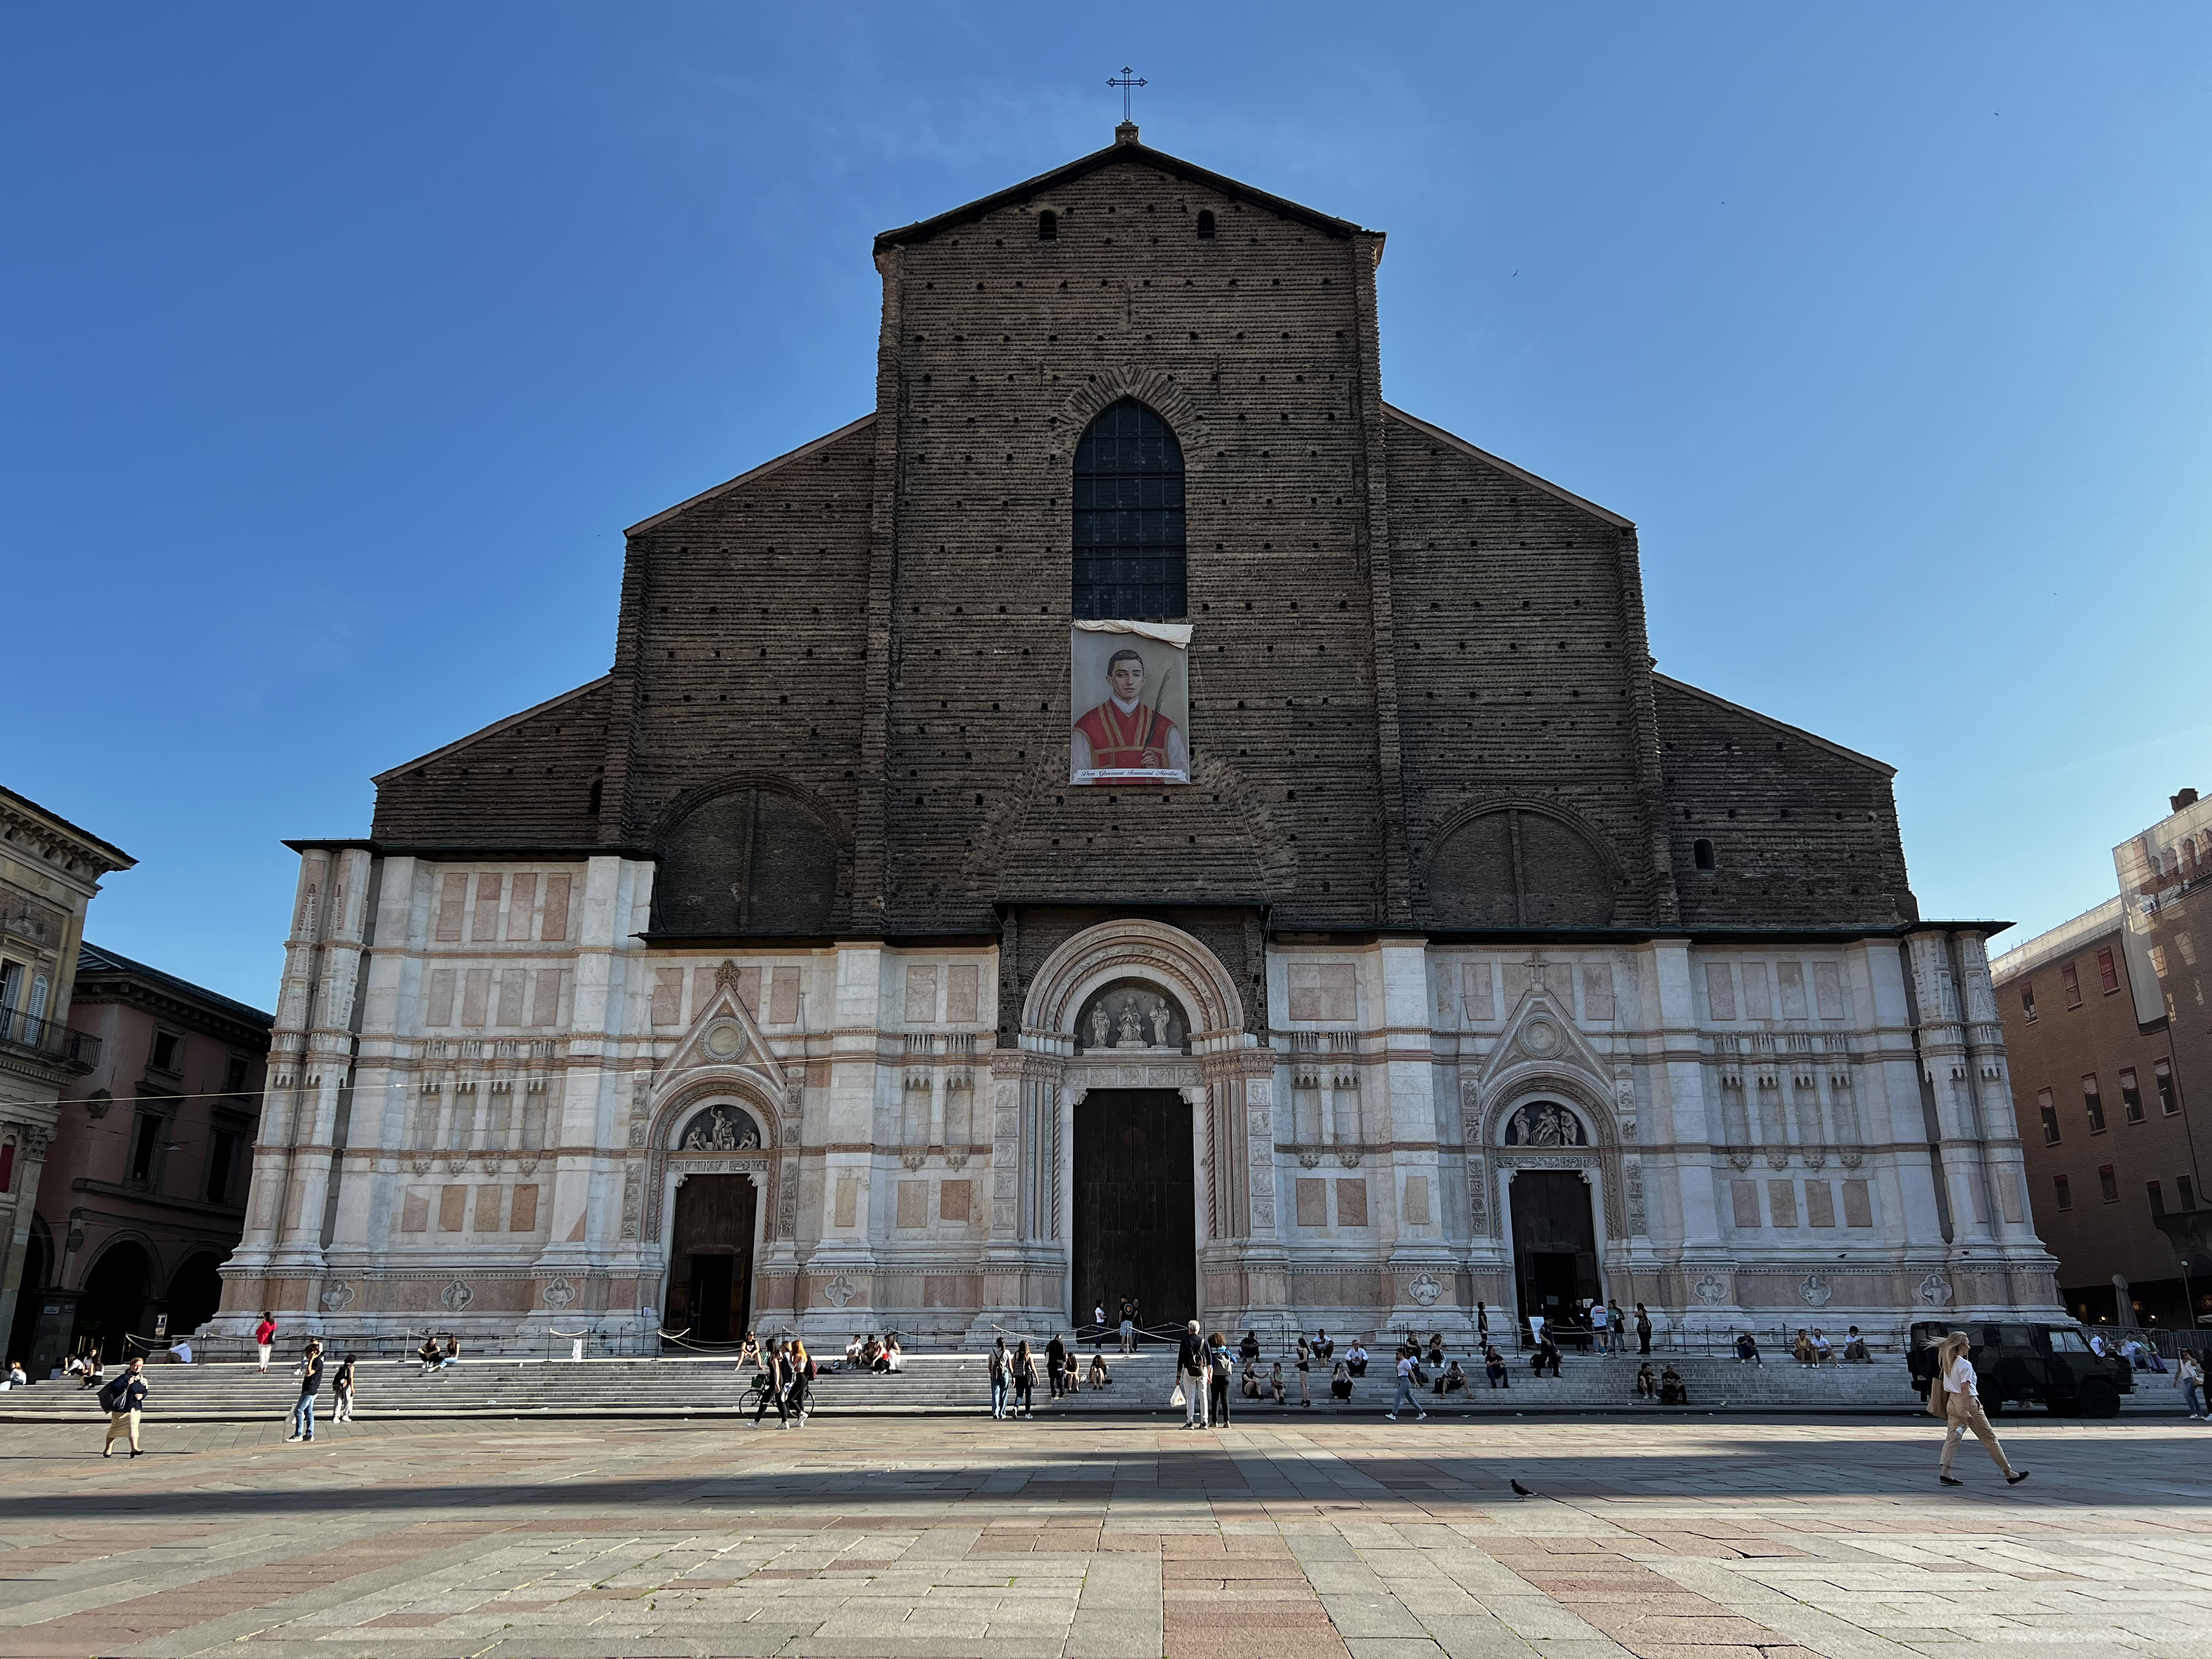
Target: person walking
(802,1380)
(341,1387)
(1024,1380)
(1601,1331)
(1219,1369)
(1481,1325)
(774,1383)
(1407,1359)
(1055,1365)
(124,1400)
(2189,1377)
(1001,1375)
(1643,1329)
(1128,1324)
(1956,1398)
(264,1338)
(1190,1376)
(311,1384)
(1305,1363)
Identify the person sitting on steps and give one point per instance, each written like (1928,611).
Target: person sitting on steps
(1647,1385)
(1671,1391)
(1493,1365)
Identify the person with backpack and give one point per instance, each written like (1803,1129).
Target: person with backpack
(311,1384)
(1055,1362)
(1002,1369)
(264,1338)
(123,1399)
(1190,1376)
(1219,1367)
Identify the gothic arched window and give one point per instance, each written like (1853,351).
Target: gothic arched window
(1128,517)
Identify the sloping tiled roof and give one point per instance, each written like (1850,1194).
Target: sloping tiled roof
(91,959)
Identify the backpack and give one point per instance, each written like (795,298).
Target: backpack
(110,1395)
(1222,1367)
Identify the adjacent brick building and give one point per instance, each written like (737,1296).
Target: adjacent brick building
(2106,1023)
(786,974)
(144,1192)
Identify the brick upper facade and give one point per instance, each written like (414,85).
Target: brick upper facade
(863,644)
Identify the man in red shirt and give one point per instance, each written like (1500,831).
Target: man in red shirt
(1121,734)
(265,1336)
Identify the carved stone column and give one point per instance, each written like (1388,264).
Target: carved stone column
(1022,1260)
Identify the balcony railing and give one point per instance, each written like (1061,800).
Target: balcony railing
(50,1038)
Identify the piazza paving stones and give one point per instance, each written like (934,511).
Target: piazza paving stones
(1102,1539)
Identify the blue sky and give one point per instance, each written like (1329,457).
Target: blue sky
(343,343)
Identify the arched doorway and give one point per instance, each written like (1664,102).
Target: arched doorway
(114,1303)
(1136,1206)
(710,1257)
(194,1294)
(1555,1255)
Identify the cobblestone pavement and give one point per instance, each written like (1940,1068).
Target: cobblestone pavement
(1705,1539)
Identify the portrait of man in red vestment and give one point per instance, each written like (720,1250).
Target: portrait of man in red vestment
(1132,735)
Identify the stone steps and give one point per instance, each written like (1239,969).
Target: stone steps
(958,1383)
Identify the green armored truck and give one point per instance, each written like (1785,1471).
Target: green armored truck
(2022,1364)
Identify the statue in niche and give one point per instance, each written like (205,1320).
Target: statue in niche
(720,1129)
(1160,1026)
(1129,1033)
(1544,1125)
(1101,1024)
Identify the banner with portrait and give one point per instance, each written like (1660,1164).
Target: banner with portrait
(1129,685)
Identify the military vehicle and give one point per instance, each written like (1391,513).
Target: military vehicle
(2018,1362)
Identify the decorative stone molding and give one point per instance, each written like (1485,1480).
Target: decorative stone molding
(1134,948)
(1936,1291)
(1815,1290)
(338,1295)
(456,1296)
(558,1295)
(1424,1289)
(1711,1290)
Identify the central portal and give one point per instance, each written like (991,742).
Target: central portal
(1554,1242)
(1136,1206)
(710,1258)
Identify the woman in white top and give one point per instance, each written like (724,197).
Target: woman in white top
(1962,1411)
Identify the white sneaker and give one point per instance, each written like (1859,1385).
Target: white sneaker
(1389,1417)
(290,1438)
(1425,1417)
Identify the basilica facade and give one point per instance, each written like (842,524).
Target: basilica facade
(1134,815)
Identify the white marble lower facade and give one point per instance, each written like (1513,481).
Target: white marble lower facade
(478,1107)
